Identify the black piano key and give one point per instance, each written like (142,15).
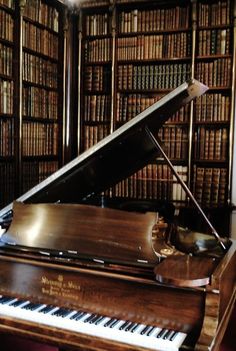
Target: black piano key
(17,303)
(167,334)
(108,323)
(32,306)
(6,299)
(145,329)
(74,316)
(129,326)
(62,312)
(82,314)
(94,319)
(99,320)
(134,327)
(124,325)
(113,324)
(151,331)
(47,309)
(66,313)
(89,318)
(172,337)
(161,333)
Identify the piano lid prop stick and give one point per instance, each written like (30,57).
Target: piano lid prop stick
(184,186)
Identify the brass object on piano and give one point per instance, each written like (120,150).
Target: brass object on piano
(162,245)
(135,282)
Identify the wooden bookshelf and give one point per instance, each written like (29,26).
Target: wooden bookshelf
(96,76)
(31,64)
(213,111)
(153,57)
(41,91)
(155,47)
(7,111)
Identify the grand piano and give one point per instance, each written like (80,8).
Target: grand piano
(86,277)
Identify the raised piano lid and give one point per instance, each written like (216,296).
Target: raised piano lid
(115,157)
(90,232)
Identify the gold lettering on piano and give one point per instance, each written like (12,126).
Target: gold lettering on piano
(60,287)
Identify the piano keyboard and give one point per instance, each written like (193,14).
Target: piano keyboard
(123,331)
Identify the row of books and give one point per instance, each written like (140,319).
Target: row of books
(216,73)
(175,141)
(97,108)
(161,76)
(97,24)
(6,28)
(7,137)
(210,185)
(5,60)
(8,3)
(97,50)
(157,19)
(214,42)
(211,143)
(158,182)
(155,181)
(40,40)
(147,184)
(212,108)
(143,47)
(93,134)
(181,116)
(39,103)
(129,106)
(36,171)
(97,78)
(7,182)
(40,139)
(39,71)
(214,14)
(6,96)
(42,13)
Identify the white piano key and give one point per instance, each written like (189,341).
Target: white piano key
(135,338)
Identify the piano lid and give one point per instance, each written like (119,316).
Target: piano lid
(115,157)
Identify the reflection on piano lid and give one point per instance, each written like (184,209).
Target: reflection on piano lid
(114,158)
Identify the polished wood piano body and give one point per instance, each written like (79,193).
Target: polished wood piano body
(109,263)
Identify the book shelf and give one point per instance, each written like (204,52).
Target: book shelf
(155,47)
(96,77)
(7,88)
(41,91)
(212,112)
(31,73)
(153,57)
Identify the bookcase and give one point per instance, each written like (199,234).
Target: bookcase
(31,84)
(7,88)
(212,112)
(96,78)
(41,91)
(153,57)
(155,46)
